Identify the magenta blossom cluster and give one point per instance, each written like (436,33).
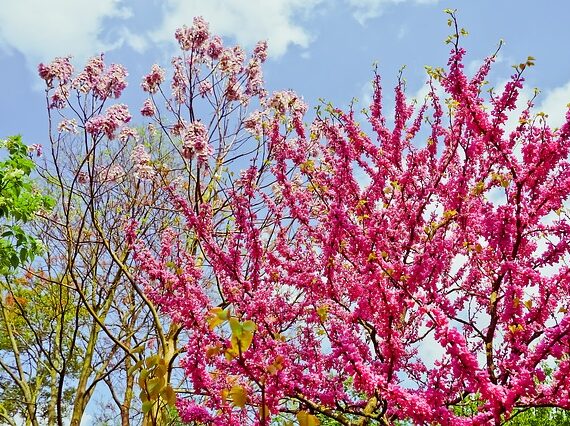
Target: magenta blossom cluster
(397,276)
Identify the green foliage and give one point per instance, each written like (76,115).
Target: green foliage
(543,416)
(19,201)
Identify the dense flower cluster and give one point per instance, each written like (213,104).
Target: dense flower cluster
(231,60)
(389,277)
(148,109)
(215,48)
(415,275)
(103,83)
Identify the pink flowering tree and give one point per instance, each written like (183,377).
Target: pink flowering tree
(363,274)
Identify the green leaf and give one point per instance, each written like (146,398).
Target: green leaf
(147,406)
(169,395)
(236,327)
(249,326)
(135,367)
(151,361)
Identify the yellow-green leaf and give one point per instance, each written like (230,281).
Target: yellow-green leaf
(239,396)
(169,395)
(236,327)
(151,361)
(306,419)
(249,326)
(153,386)
(147,406)
(135,367)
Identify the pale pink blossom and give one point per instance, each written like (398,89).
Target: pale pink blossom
(148,109)
(234,90)
(254,84)
(195,141)
(254,123)
(151,82)
(59,97)
(110,174)
(60,69)
(179,83)
(108,123)
(101,81)
(140,155)
(67,125)
(193,37)
(215,48)
(88,78)
(127,133)
(205,88)
(141,161)
(231,60)
(112,83)
(260,51)
(35,148)
(82,177)
(145,172)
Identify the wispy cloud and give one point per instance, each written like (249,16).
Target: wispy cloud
(369,9)
(41,30)
(554,104)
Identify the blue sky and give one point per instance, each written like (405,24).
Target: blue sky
(321,49)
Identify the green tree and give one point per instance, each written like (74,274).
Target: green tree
(19,202)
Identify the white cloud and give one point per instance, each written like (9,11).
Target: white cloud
(41,30)
(247,21)
(555,104)
(552,102)
(369,9)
